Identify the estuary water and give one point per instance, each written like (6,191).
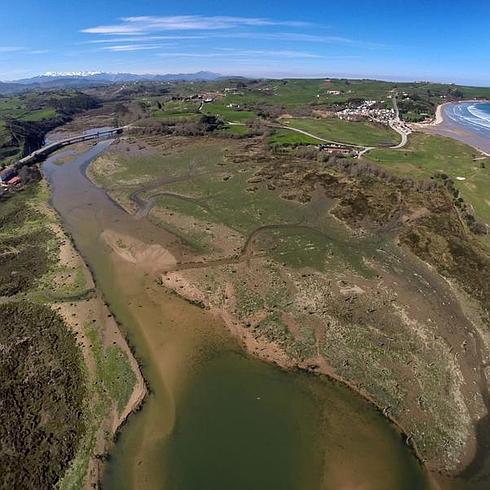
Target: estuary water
(215,418)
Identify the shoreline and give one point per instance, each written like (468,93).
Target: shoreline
(442,126)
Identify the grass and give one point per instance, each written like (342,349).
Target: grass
(197,240)
(174,117)
(231,204)
(126,170)
(112,369)
(183,206)
(39,115)
(113,384)
(426,154)
(226,113)
(296,248)
(236,129)
(27,242)
(357,133)
(284,137)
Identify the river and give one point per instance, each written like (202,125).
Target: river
(216,418)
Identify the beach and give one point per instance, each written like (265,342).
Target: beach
(465,122)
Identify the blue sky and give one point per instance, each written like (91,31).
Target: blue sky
(416,40)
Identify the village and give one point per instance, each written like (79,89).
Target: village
(368,109)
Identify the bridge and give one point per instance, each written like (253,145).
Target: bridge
(43,152)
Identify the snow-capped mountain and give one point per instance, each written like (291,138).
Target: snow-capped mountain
(60,74)
(102,77)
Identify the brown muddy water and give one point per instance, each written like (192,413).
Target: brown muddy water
(216,418)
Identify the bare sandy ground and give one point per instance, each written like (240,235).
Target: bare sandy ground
(149,257)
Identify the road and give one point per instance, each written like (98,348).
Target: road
(396,125)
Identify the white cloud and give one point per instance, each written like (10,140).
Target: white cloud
(144,24)
(309,38)
(248,53)
(38,51)
(141,39)
(10,49)
(130,47)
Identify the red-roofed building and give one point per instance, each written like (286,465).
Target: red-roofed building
(14,181)
(6,174)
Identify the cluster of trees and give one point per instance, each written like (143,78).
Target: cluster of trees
(43,390)
(415,108)
(361,168)
(73,103)
(183,127)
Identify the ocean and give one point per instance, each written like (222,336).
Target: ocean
(473,116)
(468,122)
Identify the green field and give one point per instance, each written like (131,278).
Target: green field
(226,113)
(356,133)
(426,154)
(237,129)
(39,115)
(173,109)
(291,138)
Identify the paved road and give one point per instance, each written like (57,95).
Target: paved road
(395,125)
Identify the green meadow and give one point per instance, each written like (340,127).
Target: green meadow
(356,133)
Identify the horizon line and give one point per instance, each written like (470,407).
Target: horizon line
(250,76)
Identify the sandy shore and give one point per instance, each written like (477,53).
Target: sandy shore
(439,115)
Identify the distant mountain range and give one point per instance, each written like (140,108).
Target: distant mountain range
(80,79)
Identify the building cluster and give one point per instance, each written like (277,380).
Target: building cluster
(369,111)
(205,97)
(334,149)
(234,91)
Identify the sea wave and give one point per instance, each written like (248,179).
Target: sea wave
(482,112)
(473,116)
